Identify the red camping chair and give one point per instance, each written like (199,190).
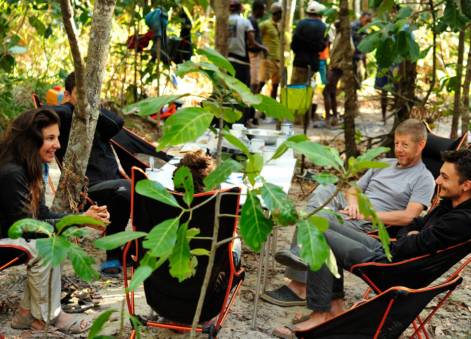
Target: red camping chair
(387,315)
(13,255)
(416,272)
(176,301)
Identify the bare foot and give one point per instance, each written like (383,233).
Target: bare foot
(337,307)
(298,288)
(311,320)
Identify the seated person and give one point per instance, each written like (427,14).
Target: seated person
(201,165)
(31,141)
(447,225)
(399,193)
(105,183)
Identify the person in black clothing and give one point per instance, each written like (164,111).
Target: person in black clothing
(105,183)
(447,225)
(31,141)
(308,41)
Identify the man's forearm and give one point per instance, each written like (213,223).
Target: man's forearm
(397,218)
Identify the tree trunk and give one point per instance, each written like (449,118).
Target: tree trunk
(466,85)
(221,10)
(457,98)
(351,100)
(86,113)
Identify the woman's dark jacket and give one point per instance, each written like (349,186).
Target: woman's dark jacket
(15,199)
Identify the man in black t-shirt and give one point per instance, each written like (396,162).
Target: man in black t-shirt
(308,41)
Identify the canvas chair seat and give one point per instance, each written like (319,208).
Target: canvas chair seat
(386,316)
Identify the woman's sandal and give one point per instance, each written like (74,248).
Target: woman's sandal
(75,325)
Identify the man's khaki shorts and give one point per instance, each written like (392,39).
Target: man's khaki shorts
(270,70)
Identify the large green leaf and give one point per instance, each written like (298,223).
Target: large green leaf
(162,238)
(253,167)
(325,178)
(245,94)
(370,42)
(237,143)
(220,174)
(28,225)
(331,263)
(142,273)
(75,220)
(216,58)
(185,125)
(152,105)
(373,153)
(117,240)
(281,207)
(254,226)
(82,263)
(319,154)
(283,147)
(154,190)
(229,114)
(273,108)
(314,247)
(53,250)
(321,223)
(386,53)
(182,263)
(99,323)
(183,180)
(359,166)
(186,67)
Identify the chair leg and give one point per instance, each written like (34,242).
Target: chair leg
(385,315)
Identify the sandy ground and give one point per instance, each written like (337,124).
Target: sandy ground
(452,321)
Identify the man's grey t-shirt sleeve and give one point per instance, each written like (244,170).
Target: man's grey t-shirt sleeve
(248,26)
(365,179)
(422,191)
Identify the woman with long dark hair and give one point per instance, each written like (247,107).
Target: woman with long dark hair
(31,141)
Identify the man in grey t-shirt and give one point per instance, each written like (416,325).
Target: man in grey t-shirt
(399,193)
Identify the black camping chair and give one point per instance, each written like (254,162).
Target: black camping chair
(385,316)
(416,272)
(13,255)
(177,301)
(128,144)
(431,155)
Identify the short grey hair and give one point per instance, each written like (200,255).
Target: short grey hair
(413,127)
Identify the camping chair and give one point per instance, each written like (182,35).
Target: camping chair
(127,145)
(176,301)
(385,316)
(13,255)
(416,272)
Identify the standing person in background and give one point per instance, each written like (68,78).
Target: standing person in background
(334,73)
(308,41)
(357,36)
(241,37)
(256,53)
(271,37)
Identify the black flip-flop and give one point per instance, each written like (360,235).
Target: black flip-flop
(283,296)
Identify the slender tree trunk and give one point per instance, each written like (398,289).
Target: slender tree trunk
(466,85)
(86,113)
(434,53)
(351,100)
(457,98)
(221,10)
(405,95)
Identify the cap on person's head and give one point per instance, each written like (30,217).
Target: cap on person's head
(315,8)
(275,7)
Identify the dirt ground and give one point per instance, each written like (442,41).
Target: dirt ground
(452,321)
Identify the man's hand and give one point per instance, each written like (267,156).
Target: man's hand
(353,212)
(99,213)
(412,233)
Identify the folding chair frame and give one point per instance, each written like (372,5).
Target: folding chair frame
(19,259)
(392,293)
(359,270)
(231,291)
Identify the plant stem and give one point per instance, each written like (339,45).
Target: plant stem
(214,242)
(317,209)
(225,241)
(49,292)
